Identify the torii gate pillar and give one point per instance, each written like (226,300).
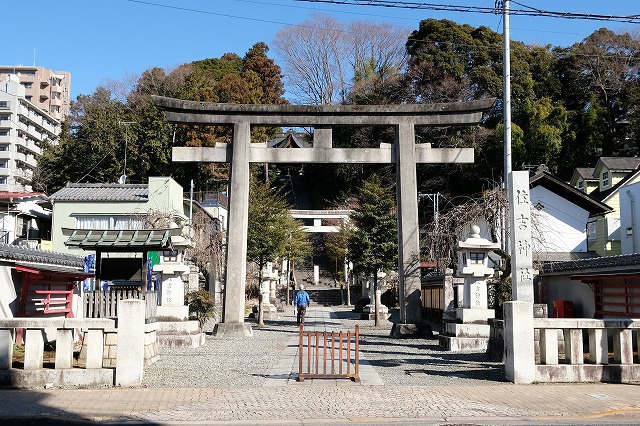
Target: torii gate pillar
(405,153)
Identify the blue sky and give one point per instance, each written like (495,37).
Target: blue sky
(101,41)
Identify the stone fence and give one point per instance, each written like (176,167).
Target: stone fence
(114,351)
(609,356)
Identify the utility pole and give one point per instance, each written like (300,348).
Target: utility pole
(123,178)
(506,88)
(506,109)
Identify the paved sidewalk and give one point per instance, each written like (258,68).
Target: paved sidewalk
(273,396)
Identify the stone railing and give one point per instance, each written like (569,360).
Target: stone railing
(114,353)
(608,356)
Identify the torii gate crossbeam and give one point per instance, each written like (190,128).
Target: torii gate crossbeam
(404,153)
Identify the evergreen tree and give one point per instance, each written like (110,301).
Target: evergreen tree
(271,232)
(373,245)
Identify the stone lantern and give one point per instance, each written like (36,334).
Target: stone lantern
(470,331)
(473,266)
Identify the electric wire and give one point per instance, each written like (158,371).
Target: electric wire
(527,11)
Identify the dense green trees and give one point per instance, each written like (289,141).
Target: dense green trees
(92,148)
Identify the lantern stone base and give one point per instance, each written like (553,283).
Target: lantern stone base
(475,316)
(232,329)
(269,312)
(369,312)
(173,313)
(175,330)
(463,337)
(400,331)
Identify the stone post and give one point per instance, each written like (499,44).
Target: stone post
(518,315)
(236,255)
(408,230)
(519,363)
(130,352)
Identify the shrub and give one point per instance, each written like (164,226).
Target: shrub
(201,305)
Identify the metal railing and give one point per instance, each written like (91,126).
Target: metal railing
(338,352)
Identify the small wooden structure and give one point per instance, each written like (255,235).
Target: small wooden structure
(337,351)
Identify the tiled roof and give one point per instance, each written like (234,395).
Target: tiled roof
(102,192)
(289,139)
(24,254)
(602,264)
(586,173)
(620,163)
(569,193)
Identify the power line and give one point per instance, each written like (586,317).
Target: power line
(526,10)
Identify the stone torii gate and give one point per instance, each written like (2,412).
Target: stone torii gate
(404,153)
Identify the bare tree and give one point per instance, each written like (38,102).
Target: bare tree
(321,57)
(313,59)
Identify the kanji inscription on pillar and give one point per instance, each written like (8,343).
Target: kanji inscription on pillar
(520,238)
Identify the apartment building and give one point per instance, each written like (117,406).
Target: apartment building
(48,90)
(23,129)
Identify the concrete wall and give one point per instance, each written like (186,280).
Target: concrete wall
(9,290)
(630,218)
(564,288)
(559,225)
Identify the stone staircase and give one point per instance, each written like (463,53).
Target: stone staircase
(325,296)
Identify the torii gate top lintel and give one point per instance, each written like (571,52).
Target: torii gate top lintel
(441,114)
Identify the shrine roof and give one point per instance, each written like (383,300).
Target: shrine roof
(124,240)
(10,252)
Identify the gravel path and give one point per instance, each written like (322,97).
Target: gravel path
(241,361)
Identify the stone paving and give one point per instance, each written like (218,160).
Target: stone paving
(253,381)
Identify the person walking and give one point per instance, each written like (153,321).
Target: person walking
(301,302)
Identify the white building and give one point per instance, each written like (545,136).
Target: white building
(23,129)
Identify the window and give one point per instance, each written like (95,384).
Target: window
(4,117)
(4,104)
(592,230)
(605,179)
(3,164)
(3,133)
(3,180)
(4,147)
(169,256)
(22,226)
(128,222)
(109,222)
(581,185)
(476,258)
(92,222)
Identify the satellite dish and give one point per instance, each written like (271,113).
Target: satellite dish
(122,180)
